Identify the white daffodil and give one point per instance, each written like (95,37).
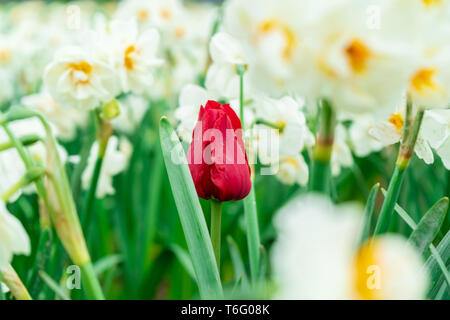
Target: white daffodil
(285,116)
(222,75)
(432,135)
(268,32)
(316,256)
(57,114)
(293,170)
(361,141)
(77,78)
(13,237)
(133,54)
(341,155)
(132,111)
(115,161)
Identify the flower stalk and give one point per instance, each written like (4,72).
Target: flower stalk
(410,134)
(321,173)
(251,214)
(57,198)
(13,282)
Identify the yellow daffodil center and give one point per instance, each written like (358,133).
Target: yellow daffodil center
(180,32)
(424,80)
(367,275)
(358,55)
(82,66)
(397,120)
(281,124)
(292,161)
(430,3)
(289,36)
(166,14)
(142,15)
(5,55)
(128,60)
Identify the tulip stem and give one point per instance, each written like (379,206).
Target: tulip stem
(404,156)
(320,180)
(216,217)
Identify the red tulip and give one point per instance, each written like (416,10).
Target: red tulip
(216,157)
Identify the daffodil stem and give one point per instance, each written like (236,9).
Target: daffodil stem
(216,217)
(92,286)
(404,156)
(13,282)
(25,140)
(89,202)
(251,213)
(104,132)
(321,173)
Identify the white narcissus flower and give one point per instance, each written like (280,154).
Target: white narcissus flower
(77,78)
(133,109)
(115,161)
(13,237)
(56,114)
(316,256)
(361,141)
(133,54)
(293,170)
(341,156)
(222,76)
(433,134)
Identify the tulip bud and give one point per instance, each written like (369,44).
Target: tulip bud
(216,156)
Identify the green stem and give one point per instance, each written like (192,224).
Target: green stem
(253,238)
(241,71)
(321,173)
(404,156)
(216,217)
(2,294)
(92,286)
(25,140)
(87,209)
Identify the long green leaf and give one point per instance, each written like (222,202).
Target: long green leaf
(238,264)
(368,213)
(53,285)
(253,238)
(190,213)
(184,259)
(438,262)
(106,263)
(429,225)
(436,254)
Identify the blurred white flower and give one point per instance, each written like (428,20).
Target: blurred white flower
(133,54)
(222,76)
(132,111)
(341,155)
(292,132)
(77,78)
(115,161)
(293,170)
(13,237)
(316,256)
(361,141)
(57,114)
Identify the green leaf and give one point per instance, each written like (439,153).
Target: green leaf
(106,263)
(253,238)
(190,213)
(184,258)
(368,213)
(437,264)
(429,225)
(240,275)
(53,285)
(436,254)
